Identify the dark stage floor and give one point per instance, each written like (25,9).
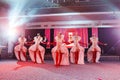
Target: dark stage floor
(13,70)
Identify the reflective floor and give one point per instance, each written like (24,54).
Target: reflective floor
(14,70)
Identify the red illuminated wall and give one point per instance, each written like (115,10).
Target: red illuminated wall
(47,34)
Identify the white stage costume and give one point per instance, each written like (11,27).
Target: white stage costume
(77,51)
(94,52)
(36,51)
(60,52)
(20,50)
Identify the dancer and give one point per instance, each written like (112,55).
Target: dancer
(36,51)
(70,42)
(94,52)
(70,37)
(20,50)
(60,52)
(77,51)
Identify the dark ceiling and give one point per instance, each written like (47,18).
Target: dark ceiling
(62,6)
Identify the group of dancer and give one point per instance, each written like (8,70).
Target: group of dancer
(60,52)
